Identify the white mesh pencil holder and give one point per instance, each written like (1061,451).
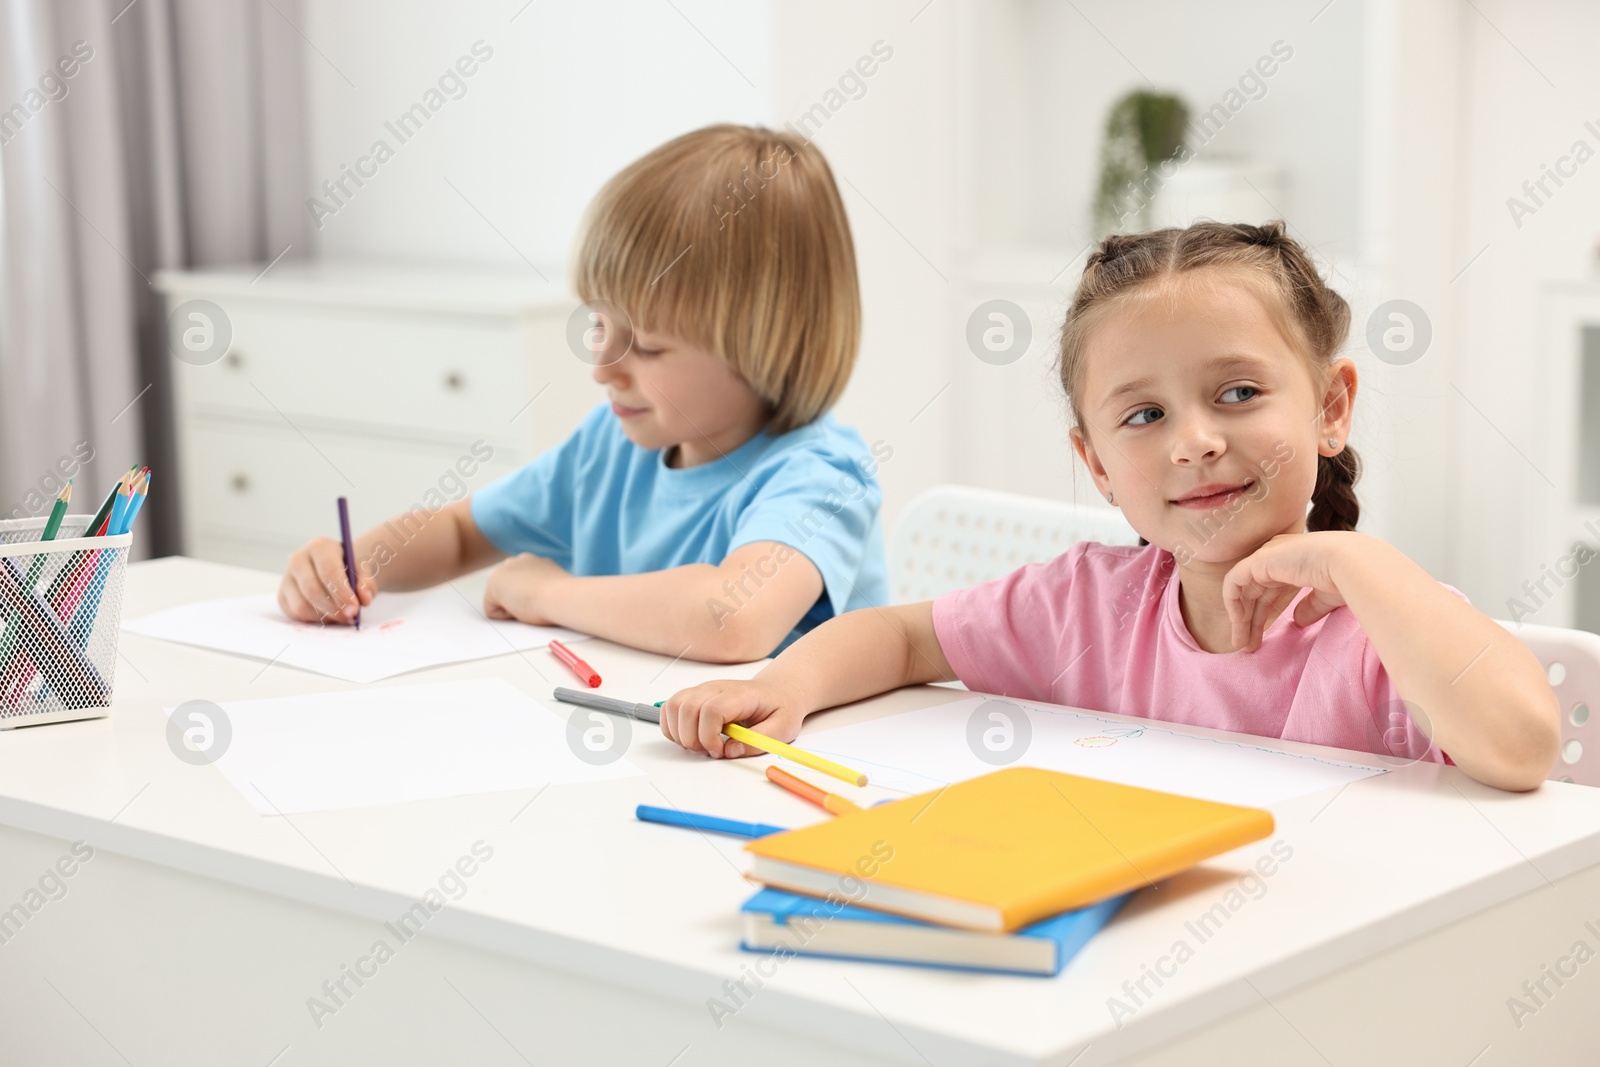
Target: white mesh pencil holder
(61,605)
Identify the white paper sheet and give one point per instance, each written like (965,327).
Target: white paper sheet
(393,744)
(918,751)
(399,632)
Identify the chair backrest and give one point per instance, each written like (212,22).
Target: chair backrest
(1571,660)
(952,536)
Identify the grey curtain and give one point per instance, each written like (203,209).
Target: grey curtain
(133,138)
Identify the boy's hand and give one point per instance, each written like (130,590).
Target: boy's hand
(316,589)
(516,588)
(694,717)
(1263,582)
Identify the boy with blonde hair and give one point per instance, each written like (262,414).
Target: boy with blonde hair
(711,508)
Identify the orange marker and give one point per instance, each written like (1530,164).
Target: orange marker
(581,669)
(831,802)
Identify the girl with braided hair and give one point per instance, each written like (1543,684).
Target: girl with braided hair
(1209,404)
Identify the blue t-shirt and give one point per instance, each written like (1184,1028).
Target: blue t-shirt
(599,504)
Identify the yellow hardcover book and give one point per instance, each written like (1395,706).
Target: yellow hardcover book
(1006,849)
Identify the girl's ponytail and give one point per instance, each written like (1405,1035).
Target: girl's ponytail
(1333,501)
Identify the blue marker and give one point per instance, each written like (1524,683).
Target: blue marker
(674,817)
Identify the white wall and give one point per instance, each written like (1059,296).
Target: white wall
(891,150)
(1407,248)
(572,93)
(1533,84)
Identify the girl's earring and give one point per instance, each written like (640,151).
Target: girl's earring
(1110,499)
(1333,442)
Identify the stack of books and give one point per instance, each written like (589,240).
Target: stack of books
(1012,871)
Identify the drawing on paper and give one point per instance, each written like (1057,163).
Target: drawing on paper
(1109,738)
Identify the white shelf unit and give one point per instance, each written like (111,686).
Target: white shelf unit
(397,387)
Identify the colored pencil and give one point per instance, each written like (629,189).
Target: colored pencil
(83,615)
(120,506)
(52,526)
(141,489)
(104,513)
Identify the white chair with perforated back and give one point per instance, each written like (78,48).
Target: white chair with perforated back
(1571,660)
(953,536)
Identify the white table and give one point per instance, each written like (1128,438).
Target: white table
(1413,906)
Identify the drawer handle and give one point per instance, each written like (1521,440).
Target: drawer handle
(239,483)
(234,360)
(454,381)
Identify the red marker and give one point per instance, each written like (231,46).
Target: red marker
(581,669)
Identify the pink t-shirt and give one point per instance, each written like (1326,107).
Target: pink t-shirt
(1099,627)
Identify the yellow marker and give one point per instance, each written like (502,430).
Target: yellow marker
(789,752)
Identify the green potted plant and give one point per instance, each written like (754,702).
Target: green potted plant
(1144,130)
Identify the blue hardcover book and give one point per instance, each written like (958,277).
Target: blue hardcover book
(809,926)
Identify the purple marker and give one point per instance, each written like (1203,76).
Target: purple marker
(349,553)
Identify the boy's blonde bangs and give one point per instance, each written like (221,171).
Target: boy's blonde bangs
(735,240)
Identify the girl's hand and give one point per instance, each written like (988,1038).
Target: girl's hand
(694,717)
(516,589)
(1259,585)
(315,587)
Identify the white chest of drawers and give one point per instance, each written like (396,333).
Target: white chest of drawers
(396,387)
